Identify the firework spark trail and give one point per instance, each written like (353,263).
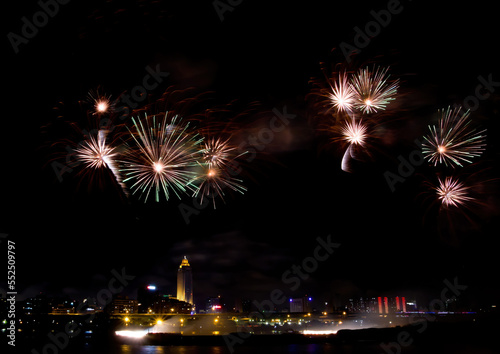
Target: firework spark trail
(452,142)
(96,153)
(348,155)
(373,91)
(452,192)
(353,132)
(161,158)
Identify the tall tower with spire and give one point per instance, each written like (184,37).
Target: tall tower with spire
(185,282)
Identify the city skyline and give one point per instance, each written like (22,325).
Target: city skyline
(145,299)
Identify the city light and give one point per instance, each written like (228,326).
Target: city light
(131,334)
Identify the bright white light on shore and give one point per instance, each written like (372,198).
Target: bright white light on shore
(313,332)
(131,334)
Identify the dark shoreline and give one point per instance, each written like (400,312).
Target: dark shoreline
(435,335)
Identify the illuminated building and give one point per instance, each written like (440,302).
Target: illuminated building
(381,305)
(185,282)
(391,305)
(301,304)
(401,307)
(122,304)
(169,304)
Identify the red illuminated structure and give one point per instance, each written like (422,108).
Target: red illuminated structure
(386,304)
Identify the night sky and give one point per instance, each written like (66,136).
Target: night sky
(71,234)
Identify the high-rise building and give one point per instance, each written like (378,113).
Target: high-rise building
(185,282)
(301,304)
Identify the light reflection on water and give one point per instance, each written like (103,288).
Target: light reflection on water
(158,349)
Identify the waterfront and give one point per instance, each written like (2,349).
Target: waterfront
(440,337)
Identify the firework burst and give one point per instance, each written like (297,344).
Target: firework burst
(354,132)
(218,165)
(452,192)
(218,153)
(94,152)
(342,95)
(161,157)
(101,104)
(373,91)
(452,142)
